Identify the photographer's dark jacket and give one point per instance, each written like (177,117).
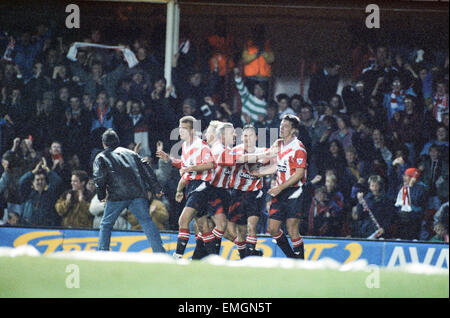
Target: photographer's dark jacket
(122,173)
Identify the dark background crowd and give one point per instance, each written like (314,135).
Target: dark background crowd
(363,137)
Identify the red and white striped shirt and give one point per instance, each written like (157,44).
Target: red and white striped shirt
(197,153)
(289,158)
(223,161)
(240,178)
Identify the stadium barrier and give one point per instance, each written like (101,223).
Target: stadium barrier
(384,253)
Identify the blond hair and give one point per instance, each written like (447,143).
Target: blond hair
(188,119)
(214,124)
(221,129)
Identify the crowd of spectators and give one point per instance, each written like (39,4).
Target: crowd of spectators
(380,144)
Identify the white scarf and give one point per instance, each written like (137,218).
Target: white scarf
(7,56)
(128,54)
(440,106)
(395,100)
(135,118)
(184,47)
(404,199)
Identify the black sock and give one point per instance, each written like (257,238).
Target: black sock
(249,249)
(299,251)
(250,244)
(210,243)
(183,238)
(200,250)
(241,249)
(218,239)
(181,246)
(284,245)
(211,247)
(218,243)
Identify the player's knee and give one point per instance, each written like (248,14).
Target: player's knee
(183,222)
(251,229)
(230,231)
(186,217)
(220,222)
(202,228)
(221,226)
(293,229)
(273,229)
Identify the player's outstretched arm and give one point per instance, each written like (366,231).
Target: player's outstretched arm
(264,170)
(198,168)
(165,156)
(270,153)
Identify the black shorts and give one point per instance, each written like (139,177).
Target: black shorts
(287,204)
(245,204)
(197,196)
(219,201)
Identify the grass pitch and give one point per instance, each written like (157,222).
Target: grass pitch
(25,276)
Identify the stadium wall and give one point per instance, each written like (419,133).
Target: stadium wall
(376,252)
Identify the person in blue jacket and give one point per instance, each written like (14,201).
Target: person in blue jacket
(26,51)
(381,206)
(39,196)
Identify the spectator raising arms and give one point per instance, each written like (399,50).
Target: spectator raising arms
(253,104)
(40,196)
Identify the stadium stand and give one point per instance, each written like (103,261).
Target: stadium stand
(363,139)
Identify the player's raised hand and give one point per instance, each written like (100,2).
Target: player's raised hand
(179,196)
